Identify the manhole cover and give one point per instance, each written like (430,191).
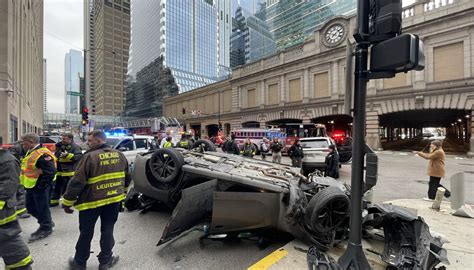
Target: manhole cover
(422,181)
(471,172)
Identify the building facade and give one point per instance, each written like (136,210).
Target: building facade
(146,93)
(192,36)
(89,54)
(73,69)
(251,39)
(307,84)
(293,21)
(108,32)
(21,68)
(45,88)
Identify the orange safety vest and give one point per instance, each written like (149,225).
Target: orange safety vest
(29,173)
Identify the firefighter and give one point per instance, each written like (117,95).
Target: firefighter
(184,142)
(68,154)
(13,249)
(248,149)
(38,170)
(17,151)
(97,189)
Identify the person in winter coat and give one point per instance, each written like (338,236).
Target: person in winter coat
(296,154)
(231,146)
(18,152)
(13,249)
(436,168)
(332,163)
(248,149)
(264,148)
(276,146)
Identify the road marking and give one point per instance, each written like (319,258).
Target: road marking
(269,260)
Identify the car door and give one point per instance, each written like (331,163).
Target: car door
(140,145)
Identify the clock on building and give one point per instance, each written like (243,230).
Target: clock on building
(334,35)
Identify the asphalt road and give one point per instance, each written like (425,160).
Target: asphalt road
(401,175)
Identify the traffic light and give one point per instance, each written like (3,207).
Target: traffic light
(385,19)
(85,116)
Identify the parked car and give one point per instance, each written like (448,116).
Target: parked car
(130,145)
(315,150)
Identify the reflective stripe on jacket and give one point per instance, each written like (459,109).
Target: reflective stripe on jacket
(100,179)
(29,173)
(167,145)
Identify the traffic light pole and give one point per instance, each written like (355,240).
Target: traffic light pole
(354,257)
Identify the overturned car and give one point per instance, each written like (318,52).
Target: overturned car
(238,194)
(234,194)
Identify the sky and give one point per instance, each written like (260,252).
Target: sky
(63,30)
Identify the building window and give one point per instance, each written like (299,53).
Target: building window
(448,62)
(321,85)
(273,96)
(251,98)
(294,90)
(13,129)
(399,80)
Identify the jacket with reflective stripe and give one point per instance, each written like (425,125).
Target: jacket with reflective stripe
(67,164)
(29,173)
(100,179)
(9,184)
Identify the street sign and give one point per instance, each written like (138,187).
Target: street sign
(76,94)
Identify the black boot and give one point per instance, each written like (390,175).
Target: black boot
(113,261)
(40,234)
(73,265)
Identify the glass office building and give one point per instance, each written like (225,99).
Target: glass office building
(192,36)
(292,21)
(251,38)
(73,69)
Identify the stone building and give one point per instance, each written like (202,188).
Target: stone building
(21,68)
(307,83)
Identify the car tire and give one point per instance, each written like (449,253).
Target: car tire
(327,210)
(165,164)
(206,144)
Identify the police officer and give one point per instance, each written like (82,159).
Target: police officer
(184,142)
(38,170)
(97,190)
(13,249)
(68,154)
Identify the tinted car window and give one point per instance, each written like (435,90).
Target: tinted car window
(47,140)
(317,143)
(112,142)
(140,143)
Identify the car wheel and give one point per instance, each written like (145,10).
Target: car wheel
(165,164)
(327,210)
(206,145)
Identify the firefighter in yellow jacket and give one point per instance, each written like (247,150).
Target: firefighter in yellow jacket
(38,171)
(13,249)
(97,189)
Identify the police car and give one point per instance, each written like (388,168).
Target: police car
(130,145)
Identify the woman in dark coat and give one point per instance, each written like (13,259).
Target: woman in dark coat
(332,163)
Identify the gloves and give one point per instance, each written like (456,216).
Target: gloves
(68,209)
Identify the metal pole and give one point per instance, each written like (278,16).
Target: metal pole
(354,257)
(348,84)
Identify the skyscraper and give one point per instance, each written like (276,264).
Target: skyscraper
(292,21)
(21,68)
(192,36)
(45,90)
(73,68)
(251,38)
(107,26)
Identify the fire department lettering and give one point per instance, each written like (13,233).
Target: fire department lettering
(109,158)
(109,185)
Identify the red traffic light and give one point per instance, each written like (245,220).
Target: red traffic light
(86,110)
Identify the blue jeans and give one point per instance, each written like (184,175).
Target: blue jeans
(87,218)
(37,204)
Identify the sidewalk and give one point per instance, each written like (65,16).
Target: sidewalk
(459,232)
